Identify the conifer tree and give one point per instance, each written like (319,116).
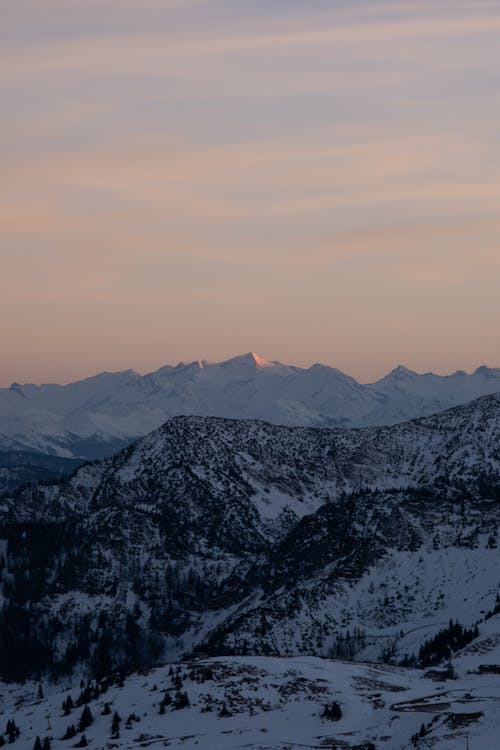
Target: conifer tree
(86,719)
(181,700)
(12,731)
(115,725)
(70,732)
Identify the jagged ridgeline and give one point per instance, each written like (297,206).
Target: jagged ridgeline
(46,429)
(235,536)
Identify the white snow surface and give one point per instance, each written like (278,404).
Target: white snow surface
(62,419)
(277,704)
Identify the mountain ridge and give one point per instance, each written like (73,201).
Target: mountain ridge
(246,537)
(93,417)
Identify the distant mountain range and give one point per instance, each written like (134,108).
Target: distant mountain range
(93,418)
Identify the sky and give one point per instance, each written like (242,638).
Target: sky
(313,180)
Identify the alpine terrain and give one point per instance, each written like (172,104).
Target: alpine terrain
(94,418)
(238,537)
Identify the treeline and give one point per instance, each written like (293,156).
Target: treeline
(347,645)
(442,646)
(445,643)
(35,643)
(45,561)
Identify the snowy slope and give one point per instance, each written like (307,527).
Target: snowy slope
(377,573)
(281,470)
(411,394)
(247,537)
(89,418)
(263,703)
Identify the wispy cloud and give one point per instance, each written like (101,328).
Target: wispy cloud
(243,170)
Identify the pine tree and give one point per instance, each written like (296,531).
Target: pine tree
(86,719)
(181,700)
(70,732)
(46,744)
(177,681)
(38,744)
(67,705)
(115,725)
(12,731)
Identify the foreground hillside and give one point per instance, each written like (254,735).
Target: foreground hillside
(243,537)
(263,703)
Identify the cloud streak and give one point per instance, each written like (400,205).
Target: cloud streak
(220,174)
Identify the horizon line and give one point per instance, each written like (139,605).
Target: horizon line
(260,362)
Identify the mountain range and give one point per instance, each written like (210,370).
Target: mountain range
(93,418)
(239,536)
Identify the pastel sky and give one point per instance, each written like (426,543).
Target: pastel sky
(315,180)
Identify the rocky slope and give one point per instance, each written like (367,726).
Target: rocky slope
(247,537)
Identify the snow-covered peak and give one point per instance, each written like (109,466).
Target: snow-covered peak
(402,371)
(55,418)
(194,365)
(397,375)
(248,360)
(17,388)
(488,372)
